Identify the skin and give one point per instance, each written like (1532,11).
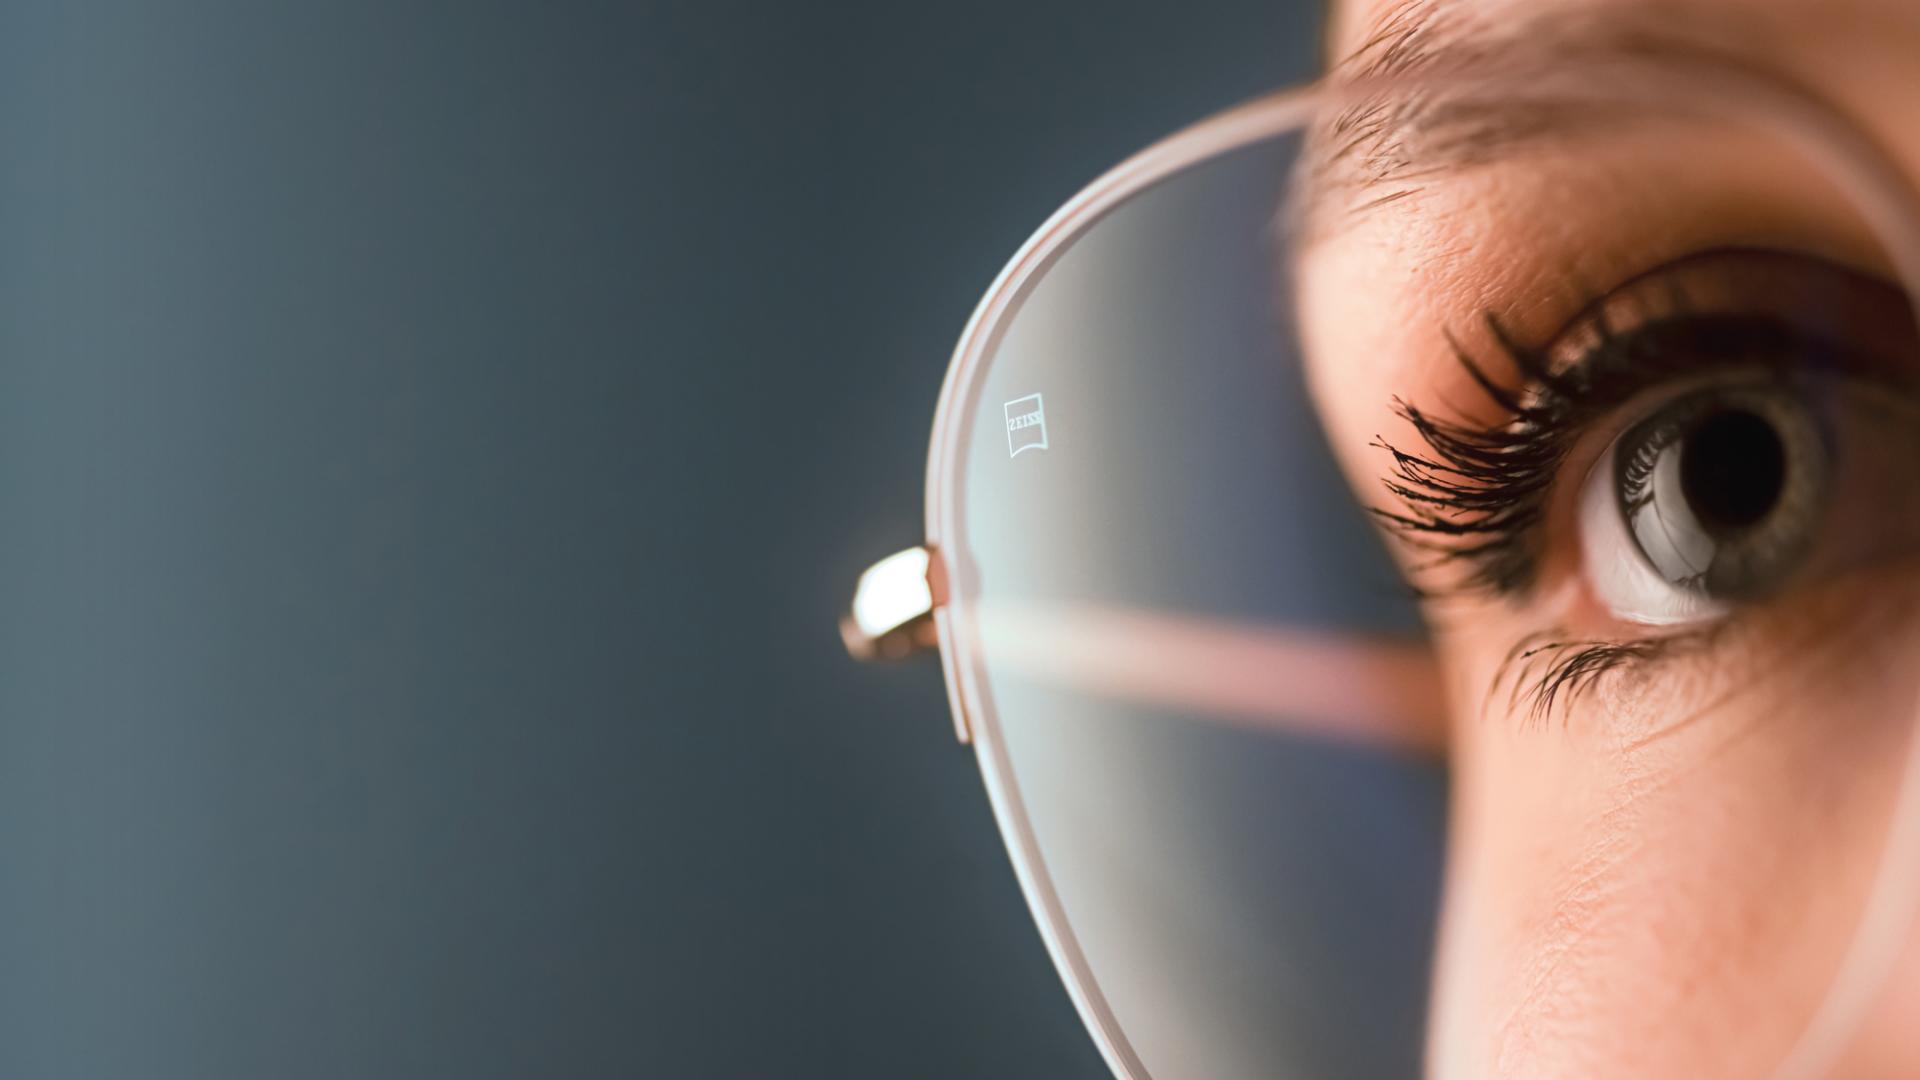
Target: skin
(1661,879)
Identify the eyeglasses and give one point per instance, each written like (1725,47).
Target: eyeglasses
(1418,560)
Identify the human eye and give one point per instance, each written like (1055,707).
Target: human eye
(1711,437)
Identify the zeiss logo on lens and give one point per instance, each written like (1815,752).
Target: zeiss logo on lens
(1026,425)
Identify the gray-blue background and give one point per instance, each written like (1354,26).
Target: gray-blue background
(434,442)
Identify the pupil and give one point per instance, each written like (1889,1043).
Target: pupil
(1732,470)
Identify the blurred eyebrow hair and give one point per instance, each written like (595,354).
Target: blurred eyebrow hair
(1401,39)
(1377,149)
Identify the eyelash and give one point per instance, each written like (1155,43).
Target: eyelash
(1476,497)
(1567,668)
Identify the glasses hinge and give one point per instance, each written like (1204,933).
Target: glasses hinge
(891,616)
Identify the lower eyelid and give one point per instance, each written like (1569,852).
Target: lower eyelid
(1552,671)
(1647,686)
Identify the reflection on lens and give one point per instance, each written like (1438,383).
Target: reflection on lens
(1200,655)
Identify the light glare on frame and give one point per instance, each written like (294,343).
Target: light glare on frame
(892,592)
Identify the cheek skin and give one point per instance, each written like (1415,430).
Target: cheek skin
(1693,847)
(1885,1045)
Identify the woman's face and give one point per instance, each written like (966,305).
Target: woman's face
(1671,789)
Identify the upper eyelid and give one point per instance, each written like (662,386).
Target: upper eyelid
(1477,494)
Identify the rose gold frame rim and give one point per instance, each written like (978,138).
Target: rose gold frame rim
(1884,196)
(1244,125)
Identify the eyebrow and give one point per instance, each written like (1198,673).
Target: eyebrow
(1401,39)
(1382,147)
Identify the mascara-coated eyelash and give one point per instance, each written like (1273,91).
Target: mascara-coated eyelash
(1474,497)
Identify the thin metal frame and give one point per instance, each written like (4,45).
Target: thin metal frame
(1243,126)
